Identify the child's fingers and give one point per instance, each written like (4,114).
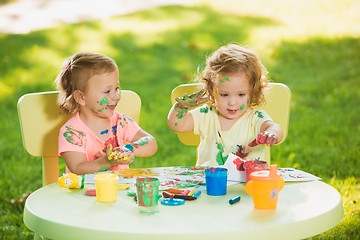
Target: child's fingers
(261,138)
(269,140)
(273,141)
(124,162)
(253,143)
(203,100)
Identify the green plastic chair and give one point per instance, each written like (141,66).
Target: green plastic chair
(278,98)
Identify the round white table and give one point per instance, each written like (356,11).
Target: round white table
(304,210)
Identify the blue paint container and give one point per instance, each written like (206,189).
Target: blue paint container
(216,181)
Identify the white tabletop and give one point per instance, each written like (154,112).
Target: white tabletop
(304,209)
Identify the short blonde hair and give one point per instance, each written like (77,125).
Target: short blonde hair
(76,71)
(230,59)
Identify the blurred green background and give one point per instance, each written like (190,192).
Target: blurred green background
(311,46)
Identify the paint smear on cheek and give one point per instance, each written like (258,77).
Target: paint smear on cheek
(242,107)
(104,101)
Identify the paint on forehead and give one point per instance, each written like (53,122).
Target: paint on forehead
(225,79)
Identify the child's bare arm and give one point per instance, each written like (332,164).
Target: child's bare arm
(142,145)
(178,119)
(271,133)
(76,162)
(272,128)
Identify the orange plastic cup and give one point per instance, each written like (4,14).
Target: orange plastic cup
(264,187)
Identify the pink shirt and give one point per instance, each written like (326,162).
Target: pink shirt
(75,136)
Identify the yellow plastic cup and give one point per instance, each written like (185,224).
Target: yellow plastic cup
(264,187)
(106,187)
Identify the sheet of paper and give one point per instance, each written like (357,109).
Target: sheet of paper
(288,174)
(194,178)
(294,175)
(169,177)
(231,165)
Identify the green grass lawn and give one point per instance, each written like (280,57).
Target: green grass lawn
(311,46)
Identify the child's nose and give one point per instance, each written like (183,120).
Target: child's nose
(232,101)
(117,95)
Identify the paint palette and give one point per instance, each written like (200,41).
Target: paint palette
(172,202)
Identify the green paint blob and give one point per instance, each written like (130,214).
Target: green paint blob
(225,78)
(104,101)
(69,136)
(204,110)
(220,159)
(102,169)
(259,114)
(242,107)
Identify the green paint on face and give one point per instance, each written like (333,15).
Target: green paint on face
(101,109)
(104,101)
(242,107)
(225,79)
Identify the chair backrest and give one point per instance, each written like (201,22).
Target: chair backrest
(278,97)
(41,119)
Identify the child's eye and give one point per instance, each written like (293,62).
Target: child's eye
(223,94)
(241,94)
(108,91)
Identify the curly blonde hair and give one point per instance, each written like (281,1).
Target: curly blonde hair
(76,71)
(233,58)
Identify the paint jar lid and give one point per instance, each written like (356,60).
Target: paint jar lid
(172,201)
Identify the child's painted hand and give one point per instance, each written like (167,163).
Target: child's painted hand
(243,151)
(193,100)
(120,155)
(264,138)
(186,102)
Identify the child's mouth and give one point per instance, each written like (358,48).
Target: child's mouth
(232,111)
(111,107)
